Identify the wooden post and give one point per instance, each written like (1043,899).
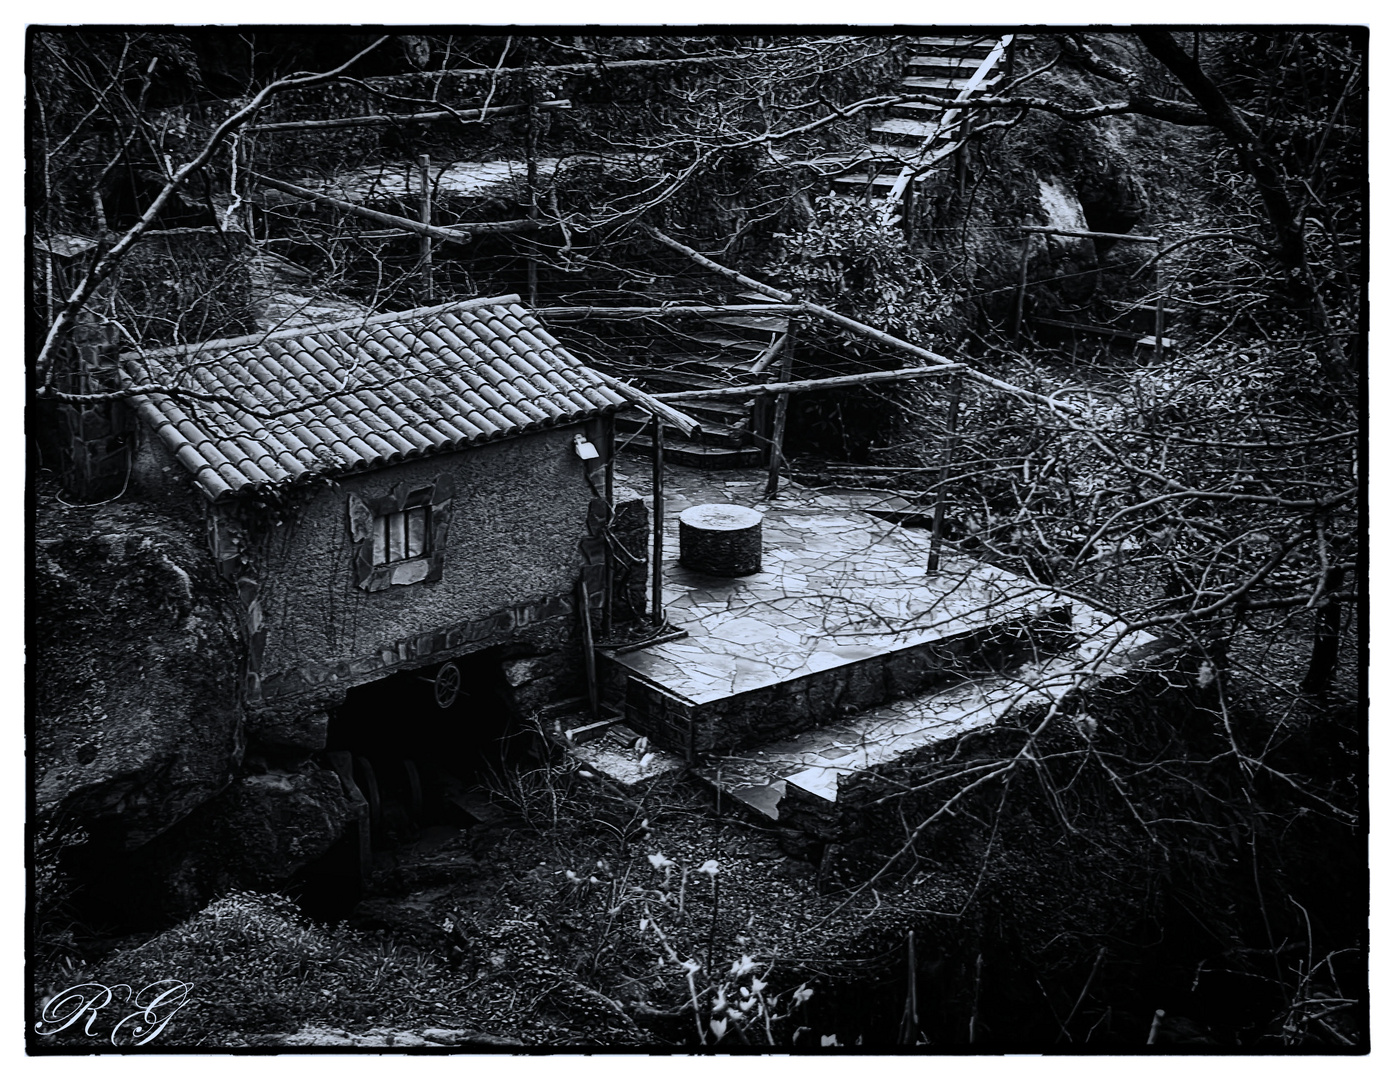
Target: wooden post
(1021,287)
(656,570)
(530,151)
(961,157)
(941,496)
(1157,347)
(910,1019)
(427,285)
(781,412)
(588,647)
(608,624)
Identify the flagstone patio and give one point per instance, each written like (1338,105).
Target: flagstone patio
(843,651)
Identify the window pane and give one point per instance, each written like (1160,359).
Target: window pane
(397,536)
(379,541)
(416,531)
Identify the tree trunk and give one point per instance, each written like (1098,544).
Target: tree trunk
(1327,640)
(1287,226)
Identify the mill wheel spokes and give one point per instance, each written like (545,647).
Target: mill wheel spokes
(447,684)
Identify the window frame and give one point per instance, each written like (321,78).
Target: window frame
(387,536)
(435,498)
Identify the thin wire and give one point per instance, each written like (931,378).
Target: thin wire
(130,460)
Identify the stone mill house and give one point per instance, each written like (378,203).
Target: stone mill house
(413,508)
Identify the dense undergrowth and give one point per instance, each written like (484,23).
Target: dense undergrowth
(1128,866)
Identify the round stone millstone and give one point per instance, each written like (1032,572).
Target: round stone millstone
(720,539)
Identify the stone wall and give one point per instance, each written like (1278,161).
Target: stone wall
(523,528)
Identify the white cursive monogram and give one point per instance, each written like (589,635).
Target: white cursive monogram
(142,1016)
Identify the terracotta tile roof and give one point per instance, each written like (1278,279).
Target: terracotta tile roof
(274,408)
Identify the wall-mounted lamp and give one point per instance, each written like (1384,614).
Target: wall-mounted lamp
(585,449)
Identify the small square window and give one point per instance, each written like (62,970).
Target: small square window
(401,535)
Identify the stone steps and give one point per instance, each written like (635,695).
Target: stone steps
(955,44)
(731,430)
(946,87)
(945,65)
(801,781)
(900,131)
(941,67)
(836,678)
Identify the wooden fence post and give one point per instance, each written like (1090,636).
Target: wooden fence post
(941,497)
(656,572)
(427,284)
(781,412)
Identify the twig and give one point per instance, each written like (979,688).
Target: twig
(1064,1028)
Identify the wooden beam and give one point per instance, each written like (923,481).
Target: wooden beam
(575,311)
(1088,235)
(383,119)
(863,330)
(766,389)
(650,404)
(459,234)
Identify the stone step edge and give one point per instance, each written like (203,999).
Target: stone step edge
(1029,684)
(1035,614)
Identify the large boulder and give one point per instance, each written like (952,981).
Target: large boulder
(134,656)
(257,833)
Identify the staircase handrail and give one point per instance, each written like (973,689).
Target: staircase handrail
(946,121)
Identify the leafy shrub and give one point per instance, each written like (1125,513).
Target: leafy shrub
(255,964)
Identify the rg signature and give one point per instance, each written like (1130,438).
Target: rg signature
(140,1016)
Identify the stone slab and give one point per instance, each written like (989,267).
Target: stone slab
(620,755)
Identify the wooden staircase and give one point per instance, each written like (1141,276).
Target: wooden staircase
(712,352)
(916,136)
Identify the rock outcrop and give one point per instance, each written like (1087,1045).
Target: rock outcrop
(133,664)
(145,794)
